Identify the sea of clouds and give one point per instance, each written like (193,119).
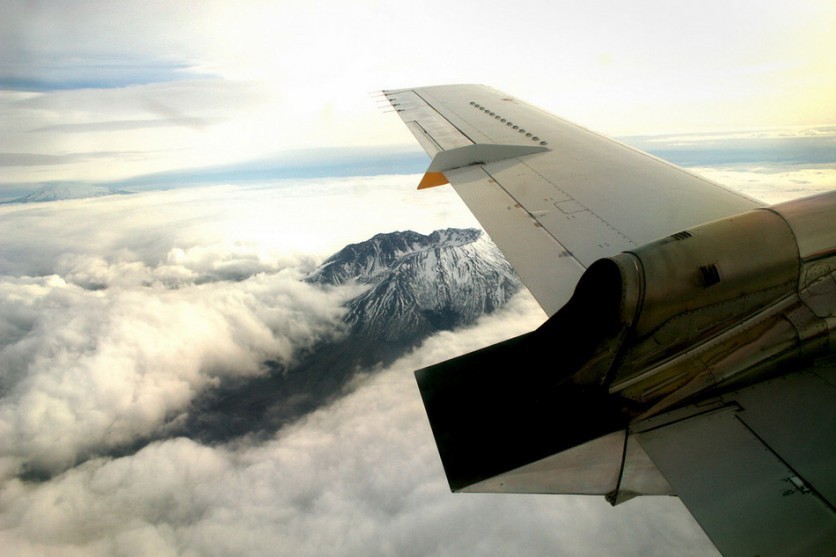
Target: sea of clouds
(116,313)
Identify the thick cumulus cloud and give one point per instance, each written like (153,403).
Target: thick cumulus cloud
(87,371)
(116,313)
(360,476)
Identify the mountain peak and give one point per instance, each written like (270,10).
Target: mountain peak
(420,283)
(365,261)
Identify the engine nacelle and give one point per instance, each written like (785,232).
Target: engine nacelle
(716,306)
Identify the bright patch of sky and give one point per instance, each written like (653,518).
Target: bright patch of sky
(97,91)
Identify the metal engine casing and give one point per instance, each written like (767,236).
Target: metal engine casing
(725,303)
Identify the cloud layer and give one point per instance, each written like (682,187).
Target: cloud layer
(92,371)
(117,313)
(359,476)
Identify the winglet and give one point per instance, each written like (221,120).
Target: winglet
(470,155)
(433,179)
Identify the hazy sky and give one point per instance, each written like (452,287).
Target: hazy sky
(116,313)
(106,90)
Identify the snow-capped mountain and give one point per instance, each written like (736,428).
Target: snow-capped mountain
(454,278)
(59,192)
(420,283)
(365,261)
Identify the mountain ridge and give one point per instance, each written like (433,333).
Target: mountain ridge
(417,285)
(62,192)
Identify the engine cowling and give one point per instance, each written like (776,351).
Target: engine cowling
(719,305)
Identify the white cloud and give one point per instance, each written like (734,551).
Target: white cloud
(359,476)
(774,184)
(91,371)
(116,314)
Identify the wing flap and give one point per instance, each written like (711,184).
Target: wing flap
(495,434)
(504,423)
(757,473)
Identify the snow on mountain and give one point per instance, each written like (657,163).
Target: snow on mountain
(365,261)
(420,283)
(59,192)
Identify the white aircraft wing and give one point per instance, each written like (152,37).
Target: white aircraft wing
(754,464)
(553,196)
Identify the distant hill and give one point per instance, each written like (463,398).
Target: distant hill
(60,192)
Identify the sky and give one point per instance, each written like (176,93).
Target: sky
(104,91)
(117,312)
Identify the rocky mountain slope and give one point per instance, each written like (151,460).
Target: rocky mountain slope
(418,284)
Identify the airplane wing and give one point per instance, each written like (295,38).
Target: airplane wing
(754,464)
(553,196)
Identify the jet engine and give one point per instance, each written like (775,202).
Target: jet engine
(676,321)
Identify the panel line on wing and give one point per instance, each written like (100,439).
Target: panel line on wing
(520,205)
(544,263)
(585,234)
(431,107)
(430,145)
(433,131)
(585,208)
(808,488)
